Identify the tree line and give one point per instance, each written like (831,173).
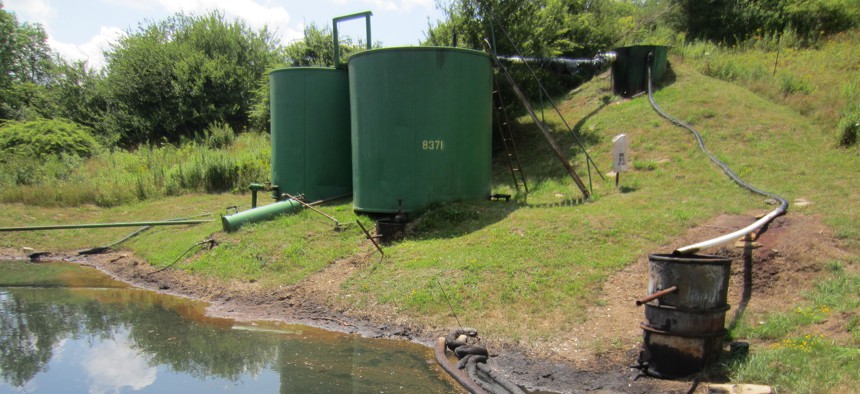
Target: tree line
(162,81)
(171,79)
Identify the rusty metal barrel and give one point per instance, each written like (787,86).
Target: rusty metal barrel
(685,322)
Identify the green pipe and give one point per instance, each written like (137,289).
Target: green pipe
(255,187)
(102,225)
(233,222)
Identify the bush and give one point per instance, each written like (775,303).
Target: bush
(219,135)
(849,127)
(790,84)
(46,137)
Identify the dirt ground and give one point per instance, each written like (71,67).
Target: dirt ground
(597,355)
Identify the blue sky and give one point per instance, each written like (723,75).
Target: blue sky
(82,29)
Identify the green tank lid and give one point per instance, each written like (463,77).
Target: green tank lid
(421,127)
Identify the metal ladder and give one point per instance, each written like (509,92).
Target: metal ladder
(511,154)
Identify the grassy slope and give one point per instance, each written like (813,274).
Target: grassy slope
(518,273)
(526,271)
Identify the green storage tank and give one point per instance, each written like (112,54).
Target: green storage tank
(630,69)
(421,127)
(310,132)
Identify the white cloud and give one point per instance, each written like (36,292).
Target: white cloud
(32,10)
(113,365)
(394,5)
(255,14)
(93,50)
(133,4)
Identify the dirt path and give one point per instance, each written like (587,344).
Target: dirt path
(595,357)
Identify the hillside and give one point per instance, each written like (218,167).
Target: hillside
(549,274)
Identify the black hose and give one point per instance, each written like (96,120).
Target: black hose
(500,380)
(211,243)
(783,203)
(486,384)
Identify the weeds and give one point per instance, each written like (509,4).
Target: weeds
(778,68)
(849,127)
(805,364)
(799,360)
(219,135)
(118,177)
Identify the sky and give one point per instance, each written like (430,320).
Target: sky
(83,29)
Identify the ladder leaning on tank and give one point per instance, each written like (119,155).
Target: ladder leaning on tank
(507,137)
(541,125)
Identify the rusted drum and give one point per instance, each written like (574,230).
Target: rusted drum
(686,324)
(679,320)
(702,280)
(672,355)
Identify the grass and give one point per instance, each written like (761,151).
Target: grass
(526,271)
(805,364)
(798,356)
(792,76)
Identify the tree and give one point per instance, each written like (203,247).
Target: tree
(315,49)
(25,67)
(174,78)
(533,28)
(78,93)
(736,20)
(538,28)
(8,25)
(33,54)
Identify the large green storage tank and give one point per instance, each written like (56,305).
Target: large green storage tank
(310,132)
(630,68)
(421,127)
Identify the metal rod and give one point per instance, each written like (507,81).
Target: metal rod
(656,295)
(449,303)
(103,225)
(325,200)
(367,233)
(308,206)
(102,249)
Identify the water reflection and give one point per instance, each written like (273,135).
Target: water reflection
(112,339)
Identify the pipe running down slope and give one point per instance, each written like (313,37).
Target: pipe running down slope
(783,204)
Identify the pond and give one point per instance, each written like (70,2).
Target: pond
(70,329)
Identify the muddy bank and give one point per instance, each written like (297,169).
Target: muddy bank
(302,304)
(594,357)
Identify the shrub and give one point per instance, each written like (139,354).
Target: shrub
(849,127)
(219,135)
(790,84)
(47,137)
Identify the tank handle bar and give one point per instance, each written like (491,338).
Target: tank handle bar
(366,15)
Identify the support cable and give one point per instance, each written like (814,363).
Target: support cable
(542,126)
(543,89)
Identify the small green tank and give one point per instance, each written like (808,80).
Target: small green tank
(310,132)
(630,68)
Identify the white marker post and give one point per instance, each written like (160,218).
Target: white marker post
(620,145)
